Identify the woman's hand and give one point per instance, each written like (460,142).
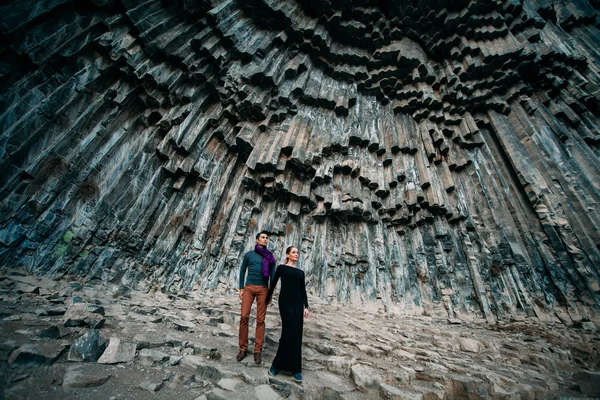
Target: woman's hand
(305,312)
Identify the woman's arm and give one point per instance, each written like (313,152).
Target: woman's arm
(273,284)
(305,297)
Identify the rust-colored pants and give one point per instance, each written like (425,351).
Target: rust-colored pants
(260,293)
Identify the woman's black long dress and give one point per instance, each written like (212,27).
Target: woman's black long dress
(292,300)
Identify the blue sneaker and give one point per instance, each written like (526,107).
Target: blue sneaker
(273,371)
(297,377)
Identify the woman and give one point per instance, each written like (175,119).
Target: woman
(293,307)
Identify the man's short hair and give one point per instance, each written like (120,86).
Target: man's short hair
(261,233)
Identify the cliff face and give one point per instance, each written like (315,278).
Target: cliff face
(431,156)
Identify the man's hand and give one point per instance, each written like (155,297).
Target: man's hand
(241,293)
(305,312)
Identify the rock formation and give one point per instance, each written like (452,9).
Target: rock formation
(437,157)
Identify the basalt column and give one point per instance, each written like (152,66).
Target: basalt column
(427,156)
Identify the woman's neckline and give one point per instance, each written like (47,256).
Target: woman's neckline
(291,266)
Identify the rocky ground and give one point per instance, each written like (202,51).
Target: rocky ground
(68,340)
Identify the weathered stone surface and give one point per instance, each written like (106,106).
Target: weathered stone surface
(83,314)
(56,311)
(218,394)
(281,385)
(118,351)
(204,350)
(19,378)
(365,377)
(589,382)
(265,392)
(54,332)
(203,369)
(229,384)
(88,347)
(6,348)
(255,377)
(150,357)
(151,387)
(78,377)
(337,385)
(389,392)
(41,313)
(182,325)
(26,288)
(470,345)
(41,353)
(588,326)
(144,341)
(340,365)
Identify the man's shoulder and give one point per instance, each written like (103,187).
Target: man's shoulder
(249,253)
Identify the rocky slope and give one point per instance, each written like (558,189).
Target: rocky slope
(67,340)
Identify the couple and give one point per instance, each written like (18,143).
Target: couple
(293,305)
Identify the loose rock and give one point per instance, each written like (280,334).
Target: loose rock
(264,392)
(88,347)
(77,377)
(589,382)
(54,332)
(118,351)
(42,353)
(365,377)
(150,357)
(151,387)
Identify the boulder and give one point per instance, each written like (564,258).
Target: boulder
(365,377)
(152,357)
(589,382)
(151,387)
(54,332)
(77,377)
(340,365)
(229,383)
(144,341)
(53,311)
(203,368)
(118,351)
(88,347)
(182,325)
(470,345)
(33,354)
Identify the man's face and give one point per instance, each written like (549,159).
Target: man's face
(262,240)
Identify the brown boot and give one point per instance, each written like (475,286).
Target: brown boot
(257,358)
(241,355)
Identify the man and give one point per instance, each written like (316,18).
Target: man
(260,264)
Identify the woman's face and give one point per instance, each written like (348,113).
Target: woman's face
(293,254)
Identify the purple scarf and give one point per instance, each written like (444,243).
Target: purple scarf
(267,260)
